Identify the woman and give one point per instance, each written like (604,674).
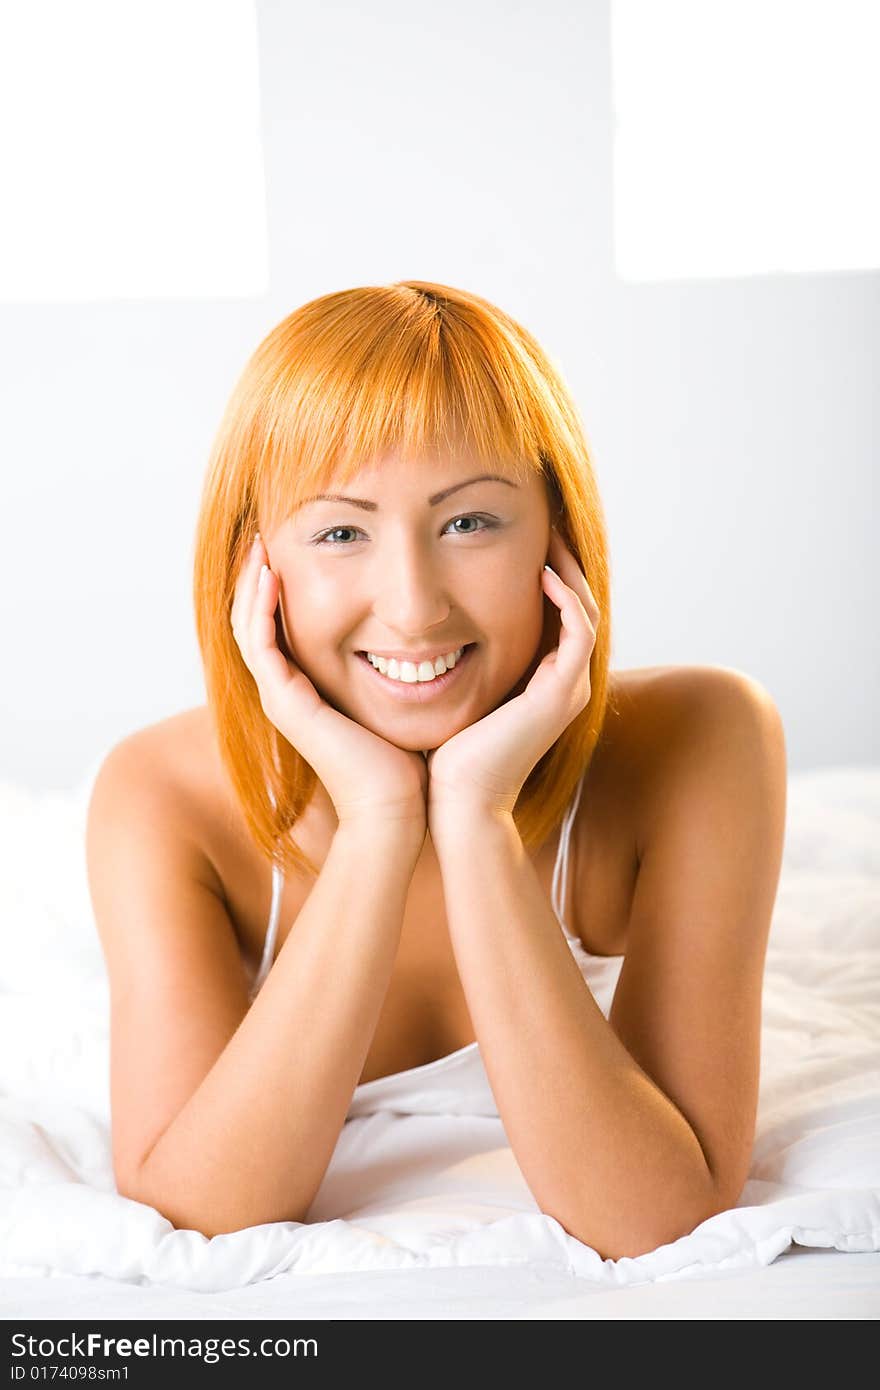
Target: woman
(401,476)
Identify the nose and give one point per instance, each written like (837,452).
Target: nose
(411,593)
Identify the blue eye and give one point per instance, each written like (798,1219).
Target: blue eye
(486,523)
(325,535)
(466,518)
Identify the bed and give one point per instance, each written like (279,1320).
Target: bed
(428,1216)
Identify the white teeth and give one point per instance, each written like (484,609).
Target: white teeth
(408,672)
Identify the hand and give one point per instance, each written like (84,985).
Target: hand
(486,764)
(367,778)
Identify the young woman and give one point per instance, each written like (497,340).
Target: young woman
(421,836)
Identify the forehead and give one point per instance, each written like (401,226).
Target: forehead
(423,479)
(396,472)
(446,465)
(431,485)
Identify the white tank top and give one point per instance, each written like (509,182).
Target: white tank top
(457,1084)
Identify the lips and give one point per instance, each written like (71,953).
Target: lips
(420,691)
(417,660)
(460,646)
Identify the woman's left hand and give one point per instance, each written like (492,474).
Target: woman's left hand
(485,765)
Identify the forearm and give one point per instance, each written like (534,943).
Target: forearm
(255,1139)
(602,1149)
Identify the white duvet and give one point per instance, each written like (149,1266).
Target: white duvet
(405,1190)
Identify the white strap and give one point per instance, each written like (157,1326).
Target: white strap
(559,889)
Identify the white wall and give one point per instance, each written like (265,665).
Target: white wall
(733,422)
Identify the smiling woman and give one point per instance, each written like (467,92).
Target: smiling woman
(401,590)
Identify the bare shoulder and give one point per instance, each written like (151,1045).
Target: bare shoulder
(668,721)
(647,703)
(667,731)
(174,765)
(176,751)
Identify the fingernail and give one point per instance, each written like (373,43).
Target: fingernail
(264,575)
(552,571)
(257,539)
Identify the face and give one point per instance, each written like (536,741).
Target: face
(416,573)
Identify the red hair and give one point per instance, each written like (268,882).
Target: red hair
(411,366)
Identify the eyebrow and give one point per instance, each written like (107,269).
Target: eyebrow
(438,497)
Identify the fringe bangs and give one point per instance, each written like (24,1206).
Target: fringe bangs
(415,368)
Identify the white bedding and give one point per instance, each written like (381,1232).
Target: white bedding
(438,1201)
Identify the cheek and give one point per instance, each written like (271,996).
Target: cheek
(518,617)
(312,608)
(305,625)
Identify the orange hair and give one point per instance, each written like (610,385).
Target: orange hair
(409,366)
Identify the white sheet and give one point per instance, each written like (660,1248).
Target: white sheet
(432,1193)
(801,1283)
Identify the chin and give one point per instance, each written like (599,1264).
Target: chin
(419,743)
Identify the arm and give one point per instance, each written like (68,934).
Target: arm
(631,1131)
(255,1140)
(226,1116)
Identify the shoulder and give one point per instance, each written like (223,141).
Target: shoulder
(660,718)
(648,702)
(698,730)
(177,754)
(169,772)
(676,739)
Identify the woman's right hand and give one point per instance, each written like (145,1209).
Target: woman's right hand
(367,778)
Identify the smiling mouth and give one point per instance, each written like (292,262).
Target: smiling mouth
(416,689)
(411,661)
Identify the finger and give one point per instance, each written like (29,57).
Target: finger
(569,570)
(286,693)
(567,599)
(267,661)
(246,587)
(577,633)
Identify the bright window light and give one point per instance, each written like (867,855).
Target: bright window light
(131,159)
(745,137)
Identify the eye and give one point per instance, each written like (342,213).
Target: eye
(324,536)
(486,524)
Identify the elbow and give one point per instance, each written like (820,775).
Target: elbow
(187,1210)
(134,1187)
(637,1234)
(129,1183)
